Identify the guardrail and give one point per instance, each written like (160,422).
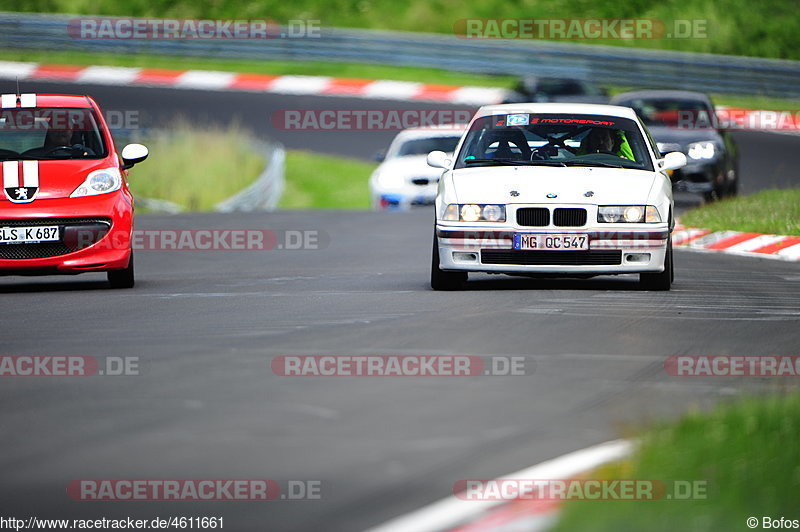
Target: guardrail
(265,193)
(262,195)
(603,64)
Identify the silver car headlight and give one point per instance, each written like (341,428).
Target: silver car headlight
(631,214)
(702,150)
(390,180)
(473,212)
(99,182)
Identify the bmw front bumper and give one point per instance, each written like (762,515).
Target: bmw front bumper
(612,250)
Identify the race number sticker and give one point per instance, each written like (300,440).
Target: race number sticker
(518,120)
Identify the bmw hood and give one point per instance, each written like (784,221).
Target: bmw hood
(541,184)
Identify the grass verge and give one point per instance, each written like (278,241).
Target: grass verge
(744,454)
(196,168)
(727,27)
(316,181)
(769,211)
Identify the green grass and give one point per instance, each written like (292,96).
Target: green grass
(196,168)
(739,27)
(224,162)
(325,182)
(745,452)
(768,211)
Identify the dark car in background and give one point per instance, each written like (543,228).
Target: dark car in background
(548,89)
(686,121)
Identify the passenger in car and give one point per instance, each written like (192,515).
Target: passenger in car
(602,140)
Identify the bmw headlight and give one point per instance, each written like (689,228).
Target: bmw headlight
(493,213)
(631,214)
(702,150)
(472,212)
(99,182)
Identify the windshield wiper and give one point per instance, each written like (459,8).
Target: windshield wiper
(512,162)
(587,163)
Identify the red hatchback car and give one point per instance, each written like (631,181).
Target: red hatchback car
(65,207)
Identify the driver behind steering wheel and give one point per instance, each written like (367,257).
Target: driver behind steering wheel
(601,140)
(64,137)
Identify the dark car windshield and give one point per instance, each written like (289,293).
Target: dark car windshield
(675,113)
(44,133)
(555,140)
(427,145)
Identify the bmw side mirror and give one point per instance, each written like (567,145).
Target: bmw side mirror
(133,154)
(672,161)
(438,159)
(379,157)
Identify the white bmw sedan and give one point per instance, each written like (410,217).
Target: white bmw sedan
(403,180)
(554,189)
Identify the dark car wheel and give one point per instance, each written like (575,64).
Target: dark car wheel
(733,187)
(442,280)
(122,278)
(661,281)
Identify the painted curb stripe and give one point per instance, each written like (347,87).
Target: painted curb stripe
(784,243)
(731,241)
(737,243)
(451,512)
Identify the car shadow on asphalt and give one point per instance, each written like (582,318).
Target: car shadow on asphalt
(502,282)
(29,286)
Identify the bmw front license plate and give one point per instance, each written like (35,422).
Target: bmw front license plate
(528,241)
(29,235)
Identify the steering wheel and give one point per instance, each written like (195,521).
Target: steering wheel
(59,148)
(76,148)
(540,154)
(4,151)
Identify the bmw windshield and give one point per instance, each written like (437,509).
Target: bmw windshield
(555,140)
(45,133)
(424,146)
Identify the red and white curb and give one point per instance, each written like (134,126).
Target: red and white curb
(457,515)
(779,247)
(231,81)
(213,80)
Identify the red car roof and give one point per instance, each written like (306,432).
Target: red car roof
(63,100)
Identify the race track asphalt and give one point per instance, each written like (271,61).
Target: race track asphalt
(205,326)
